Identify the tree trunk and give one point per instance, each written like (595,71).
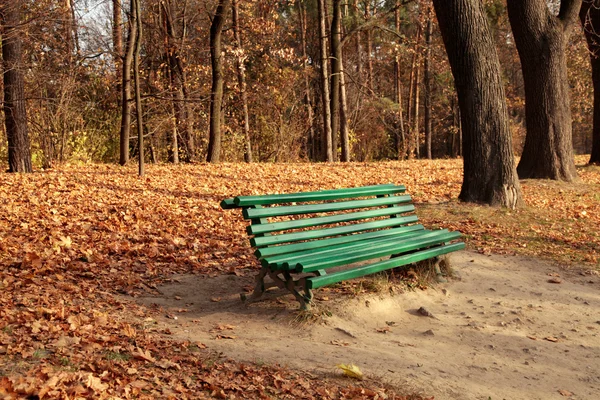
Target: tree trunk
(327,139)
(415,136)
(311,140)
(489,172)
(590,19)
(412,89)
(216,93)
(174,38)
(344,129)
(369,39)
(138,96)
(336,60)
(117,38)
(400,136)
(427,82)
(541,39)
(15,110)
(241,75)
(126,87)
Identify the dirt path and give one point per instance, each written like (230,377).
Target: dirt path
(503,331)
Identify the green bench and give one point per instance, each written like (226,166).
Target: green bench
(301,239)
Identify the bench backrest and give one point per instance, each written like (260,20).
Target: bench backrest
(281,225)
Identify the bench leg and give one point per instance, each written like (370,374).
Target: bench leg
(286,281)
(259,287)
(292,285)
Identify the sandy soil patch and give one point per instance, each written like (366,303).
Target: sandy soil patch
(508,328)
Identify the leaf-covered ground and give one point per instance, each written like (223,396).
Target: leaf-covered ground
(73,240)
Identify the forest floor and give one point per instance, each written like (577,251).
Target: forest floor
(112,286)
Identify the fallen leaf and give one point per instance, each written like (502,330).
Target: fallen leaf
(145,355)
(351,371)
(166,364)
(565,393)
(95,384)
(551,339)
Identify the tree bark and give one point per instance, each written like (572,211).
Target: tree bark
(15,110)
(489,172)
(126,88)
(415,136)
(590,19)
(427,84)
(369,39)
(216,93)
(138,96)
(399,136)
(311,140)
(336,60)
(541,39)
(241,75)
(117,41)
(327,133)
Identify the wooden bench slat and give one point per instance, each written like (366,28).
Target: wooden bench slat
(319,195)
(253,213)
(317,244)
(321,233)
(362,254)
(299,256)
(328,279)
(331,219)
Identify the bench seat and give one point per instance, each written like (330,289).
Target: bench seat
(299,237)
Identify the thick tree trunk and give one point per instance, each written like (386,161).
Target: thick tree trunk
(216,93)
(541,39)
(327,133)
(15,110)
(489,172)
(590,19)
(126,89)
(138,95)
(241,75)
(427,84)
(336,61)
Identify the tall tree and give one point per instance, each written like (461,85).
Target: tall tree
(399,136)
(489,171)
(117,42)
(311,140)
(15,110)
(216,93)
(336,62)
(136,74)
(541,39)
(590,19)
(241,75)
(427,83)
(126,88)
(327,132)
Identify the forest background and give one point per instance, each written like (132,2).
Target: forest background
(401,102)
